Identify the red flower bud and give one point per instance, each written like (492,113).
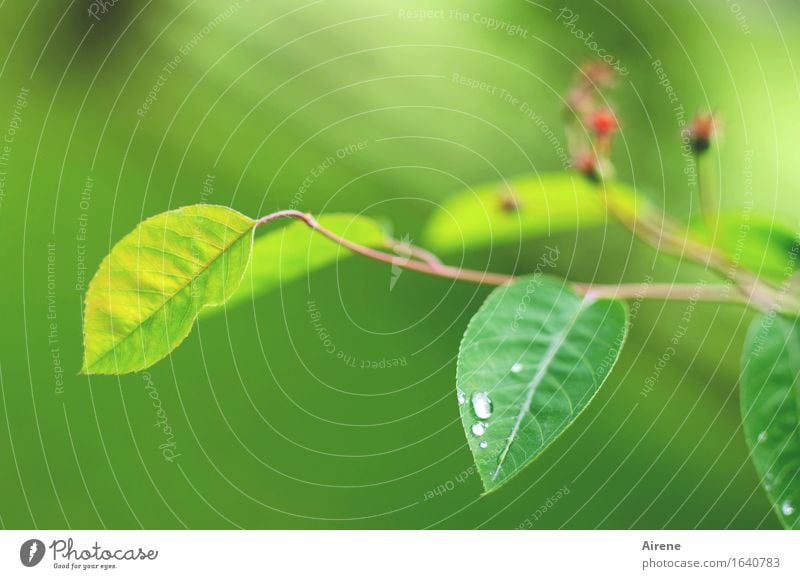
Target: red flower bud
(603,122)
(701,131)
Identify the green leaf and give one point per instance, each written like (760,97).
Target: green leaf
(759,243)
(144,298)
(770,398)
(535,205)
(531,360)
(290,252)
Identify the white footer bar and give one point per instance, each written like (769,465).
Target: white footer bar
(401,554)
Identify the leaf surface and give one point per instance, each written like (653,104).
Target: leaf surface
(506,212)
(770,401)
(758,242)
(144,298)
(532,358)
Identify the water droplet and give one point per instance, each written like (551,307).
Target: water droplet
(787,508)
(483,444)
(762,436)
(479,428)
(461,396)
(482,405)
(516,368)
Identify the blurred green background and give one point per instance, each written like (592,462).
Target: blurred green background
(267,428)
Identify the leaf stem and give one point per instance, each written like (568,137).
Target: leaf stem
(657,291)
(708,203)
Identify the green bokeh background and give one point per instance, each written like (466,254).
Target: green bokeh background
(272,430)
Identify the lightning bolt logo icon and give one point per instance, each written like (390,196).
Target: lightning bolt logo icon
(34,548)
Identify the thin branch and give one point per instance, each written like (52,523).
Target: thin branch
(438,270)
(667,239)
(658,291)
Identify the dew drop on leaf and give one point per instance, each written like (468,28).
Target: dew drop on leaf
(481,405)
(762,436)
(483,444)
(461,396)
(787,508)
(479,428)
(516,368)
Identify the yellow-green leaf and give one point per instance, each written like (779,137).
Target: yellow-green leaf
(759,242)
(529,206)
(144,298)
